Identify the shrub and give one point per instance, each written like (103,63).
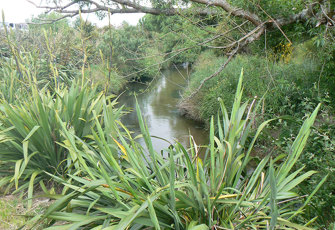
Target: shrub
(150,64)
(319,156)
(132,53)
(173,34)
(105,80)
(282,84)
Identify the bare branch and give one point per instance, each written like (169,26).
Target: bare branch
(133,7)
(275,22)
(50,21)
(128,7)
(203,43)
(214,74)
(302,16)
(253,18)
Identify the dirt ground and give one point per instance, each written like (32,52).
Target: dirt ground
(14,213)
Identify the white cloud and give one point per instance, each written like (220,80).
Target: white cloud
(18,10)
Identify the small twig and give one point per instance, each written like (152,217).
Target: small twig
(325,14)
(179,71)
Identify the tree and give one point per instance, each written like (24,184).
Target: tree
(252,18)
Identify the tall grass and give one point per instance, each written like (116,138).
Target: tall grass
(122,185)
(21,71)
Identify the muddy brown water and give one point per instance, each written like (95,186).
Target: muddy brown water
(158,104)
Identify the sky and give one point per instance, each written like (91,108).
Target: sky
(18,11)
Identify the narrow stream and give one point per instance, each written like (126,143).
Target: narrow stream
(159,109)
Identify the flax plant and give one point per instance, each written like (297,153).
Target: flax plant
(31,134)
(123,185)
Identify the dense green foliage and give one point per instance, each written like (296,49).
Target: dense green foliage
(60,129)
(175,34)
(131,52)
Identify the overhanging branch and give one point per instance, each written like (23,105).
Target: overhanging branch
(212,7)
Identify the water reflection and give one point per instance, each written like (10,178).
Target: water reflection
(159,109)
